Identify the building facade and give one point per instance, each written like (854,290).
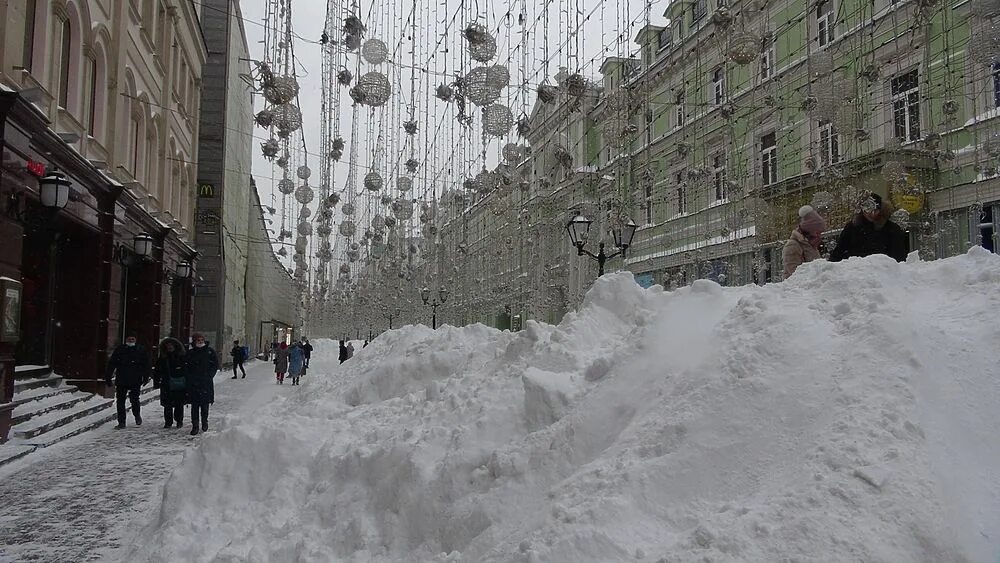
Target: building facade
(104,93)
(224,214)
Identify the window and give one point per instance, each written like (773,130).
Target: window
(664,38)
(906,106)
(134,141)
(648,196)
(161,24)
(996,85)
(699,10)
(649,126)
(767,59)
(64,54)
(824,22)
(679,108)
(92,98)
(829,144)
(719,176)
(27,57)
(681,193)
(678,30)
(769,159)
(719,86)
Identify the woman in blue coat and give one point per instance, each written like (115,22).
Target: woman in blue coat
(296,361)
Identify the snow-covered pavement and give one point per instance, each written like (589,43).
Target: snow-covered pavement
(83,499)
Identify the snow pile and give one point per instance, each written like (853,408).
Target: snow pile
(848,414)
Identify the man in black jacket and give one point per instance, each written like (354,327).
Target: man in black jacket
(202,364)
(132,364)
(308,349)
(871,232)
(237,354)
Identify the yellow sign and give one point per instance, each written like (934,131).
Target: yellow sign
(912,204)
(206,190)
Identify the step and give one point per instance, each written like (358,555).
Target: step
(31,372)
(84,424)
(50,380)
(53,420)
(65,399)
(40,393)
(12,452)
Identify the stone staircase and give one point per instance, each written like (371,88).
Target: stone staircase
(47,411)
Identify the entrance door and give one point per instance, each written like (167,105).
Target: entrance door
(988,228)
(36,303)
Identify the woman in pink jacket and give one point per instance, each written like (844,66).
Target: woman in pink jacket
(803,246)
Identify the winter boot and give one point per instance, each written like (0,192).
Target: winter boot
(194,430)
(138,420)
(167,424)
(120,426)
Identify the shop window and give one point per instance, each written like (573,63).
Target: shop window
(905,90)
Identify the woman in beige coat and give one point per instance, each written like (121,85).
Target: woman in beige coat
(803,246)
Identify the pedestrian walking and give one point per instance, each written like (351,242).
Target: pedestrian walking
(871,232)
(307,347)
(239,355)
(343,352)
(170,377)
(296,362)
(365,345)
(131,363)
(281,362)
(803,245)
(350,350)
(202,365)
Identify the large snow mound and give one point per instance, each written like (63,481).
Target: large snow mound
(848,414)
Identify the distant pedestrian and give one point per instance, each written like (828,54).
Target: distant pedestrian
(350,350)
(131,362)
(281,362)
(803,245)
(365,345)
(343,352)
(307,347)
(202,365)
(239,355)
(170,377)
(871,232)
(296,362)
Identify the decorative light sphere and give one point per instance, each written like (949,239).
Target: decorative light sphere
(324,229)
(287,119)
(286,186)
(483,50)
(576,85)
(264,118)
(281,89)
(304,194)
(270,148)
(375,88)
(373,181)
(303,172)
(478,87)
(348,209)
(347,228)
(304,228)
(374,51)
(402,208)
(386,199)
(744,47)
(404,184)
(497,120)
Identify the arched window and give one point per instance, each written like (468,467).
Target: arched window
(64,64)
(152,176)
(134,138)
(92,80)
(27,56)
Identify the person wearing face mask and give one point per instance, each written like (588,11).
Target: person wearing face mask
(202,365)
(871,232)
(803,245)
(129,364)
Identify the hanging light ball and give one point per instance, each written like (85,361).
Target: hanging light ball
(282,252)
(347,209)
(304,194)
(744,47)
(513,153)
(576,85)
(547,93)
(410,127)
(353,255)
(347,228)
(332,200)
(373,181)
(282,162)
(477,87)
(445,93)
(412,165)
(374,51)
(386,199)
(344,77)
(264,118)
(483,50)
(303,172)
(402,209)
(324,229)
(375,88)
(497,120)
(404,184)
(305,212)
(618,100)
(286,186)
(498,77)
(270,148)
(475,33)
(304,228)
(280,90)
(287,119)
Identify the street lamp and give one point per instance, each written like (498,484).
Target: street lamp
(579,231)
(53,190)
(184,269)
(442,296)
(143,245)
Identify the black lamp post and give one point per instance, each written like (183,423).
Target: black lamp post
(579,232)
(53,191)
(425,295)
(142,244)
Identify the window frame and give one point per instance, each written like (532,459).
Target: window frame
(768,58)
(826,23)
(699,9)
(769,158)
(30,20)
(719,162)
(679,116)
(648,198)
(995,74)
(681,192)
(829,144)
(92,95)
(904,101)
(65,54)
(719,86)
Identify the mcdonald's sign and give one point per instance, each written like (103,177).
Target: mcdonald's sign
(206,190)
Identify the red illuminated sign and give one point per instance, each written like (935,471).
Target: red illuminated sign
(36,168)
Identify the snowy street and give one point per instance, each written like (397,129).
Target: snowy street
(83,499)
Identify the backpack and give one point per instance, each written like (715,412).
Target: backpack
(246,352)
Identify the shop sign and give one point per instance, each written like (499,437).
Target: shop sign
(10,310)
(206,190)
(912,204)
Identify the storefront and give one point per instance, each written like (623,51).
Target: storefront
(76,267)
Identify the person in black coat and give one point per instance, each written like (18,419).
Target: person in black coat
(202,364)
(170,377)
(343,352)
(307,347)
(237,354)
(131,362)
(871,232)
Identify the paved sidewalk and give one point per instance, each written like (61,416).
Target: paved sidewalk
(81,500)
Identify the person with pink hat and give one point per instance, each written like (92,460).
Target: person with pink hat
(803,245)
